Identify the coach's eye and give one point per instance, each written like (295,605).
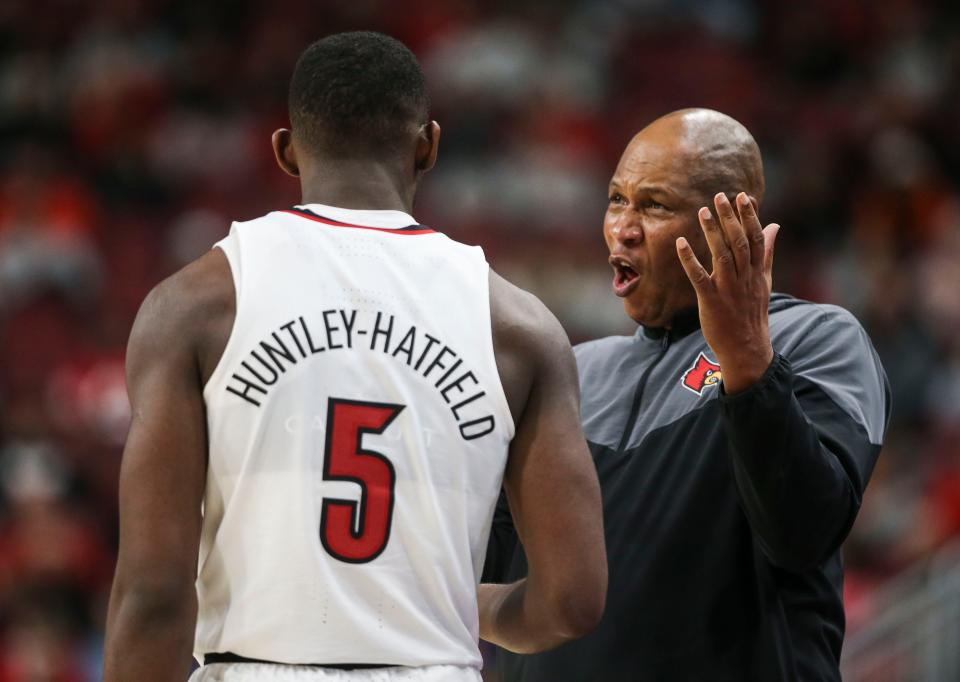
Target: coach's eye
(616,198)
(654,205)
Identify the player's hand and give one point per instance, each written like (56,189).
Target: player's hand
(734,298)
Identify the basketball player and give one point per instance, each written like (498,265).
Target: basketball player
(343,390)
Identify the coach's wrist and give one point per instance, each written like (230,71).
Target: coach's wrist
(745,371)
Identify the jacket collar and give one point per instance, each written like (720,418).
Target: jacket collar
(683,323)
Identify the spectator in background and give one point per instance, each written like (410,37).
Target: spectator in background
(52,562)
(734,433)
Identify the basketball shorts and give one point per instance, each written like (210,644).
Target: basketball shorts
(271,672)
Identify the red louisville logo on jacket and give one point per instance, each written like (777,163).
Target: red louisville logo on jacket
(703,374)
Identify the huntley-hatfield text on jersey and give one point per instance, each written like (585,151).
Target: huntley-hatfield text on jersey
(426,355)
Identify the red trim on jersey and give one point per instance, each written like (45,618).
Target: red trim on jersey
(410,229)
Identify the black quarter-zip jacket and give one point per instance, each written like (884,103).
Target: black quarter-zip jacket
(724,515)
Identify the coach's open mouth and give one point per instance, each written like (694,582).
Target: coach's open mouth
(625,276)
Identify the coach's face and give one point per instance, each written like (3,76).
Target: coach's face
(651,203)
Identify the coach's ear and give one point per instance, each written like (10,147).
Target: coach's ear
(428,144)
(284,151)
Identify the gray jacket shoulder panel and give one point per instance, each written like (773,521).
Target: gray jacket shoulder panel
(609,369)
(825,344)
(828,346)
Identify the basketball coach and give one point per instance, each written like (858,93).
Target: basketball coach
(734,433)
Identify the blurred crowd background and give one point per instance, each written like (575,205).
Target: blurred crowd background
(133,131)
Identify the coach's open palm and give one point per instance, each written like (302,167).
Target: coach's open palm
(733,299)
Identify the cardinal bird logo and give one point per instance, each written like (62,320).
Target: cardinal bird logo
(703,374)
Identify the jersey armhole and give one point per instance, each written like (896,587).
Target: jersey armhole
(501,396)
(230,245)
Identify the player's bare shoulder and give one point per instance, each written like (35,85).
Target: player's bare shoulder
(527,339)
(191,311)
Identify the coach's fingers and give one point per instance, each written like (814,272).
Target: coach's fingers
(722,256)
(769,240)
(733,232)
(691,265)
(752,228)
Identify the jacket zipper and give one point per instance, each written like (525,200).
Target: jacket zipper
(638,393)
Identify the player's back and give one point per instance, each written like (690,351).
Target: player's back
(358,433)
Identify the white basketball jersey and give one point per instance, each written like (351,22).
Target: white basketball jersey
(358,437)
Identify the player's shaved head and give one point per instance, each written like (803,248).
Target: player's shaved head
(360,132)
(717,152)
(356,95)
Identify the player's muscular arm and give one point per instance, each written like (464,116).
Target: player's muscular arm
(551,484)
(152,613)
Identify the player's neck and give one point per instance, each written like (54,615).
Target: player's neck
(357,185)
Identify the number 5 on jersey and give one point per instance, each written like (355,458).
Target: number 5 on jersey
(352,531)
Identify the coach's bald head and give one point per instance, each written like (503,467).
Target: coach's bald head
(719,152)
(669,170)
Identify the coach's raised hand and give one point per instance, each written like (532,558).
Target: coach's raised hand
(734,298)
